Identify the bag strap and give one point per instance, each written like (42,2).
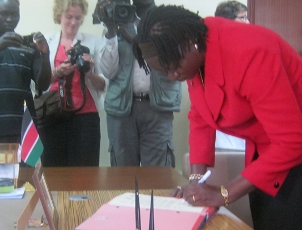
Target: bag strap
(64,99)
(62,93)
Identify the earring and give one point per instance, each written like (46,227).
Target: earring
(176,74)
(196,46)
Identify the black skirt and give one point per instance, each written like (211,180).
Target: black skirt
(283,212)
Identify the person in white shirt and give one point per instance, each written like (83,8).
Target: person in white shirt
(139,106)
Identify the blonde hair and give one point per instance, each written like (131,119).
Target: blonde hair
(61,6)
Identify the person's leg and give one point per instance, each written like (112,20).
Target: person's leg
(155,136)
(123,140)
(54,142)
(84,138)
(282,212)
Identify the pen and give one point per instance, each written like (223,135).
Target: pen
(137,207)
(204,177)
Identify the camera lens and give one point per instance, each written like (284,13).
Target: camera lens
(123,12)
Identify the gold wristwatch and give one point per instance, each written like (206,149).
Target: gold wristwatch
(225,194)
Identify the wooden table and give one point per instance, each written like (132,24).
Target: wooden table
(113,181)
(106,178)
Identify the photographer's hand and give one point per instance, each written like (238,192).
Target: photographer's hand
(41,43)
(109,23)
(10,39)
(97,81)
(127,31)
(63,70)
(111,28)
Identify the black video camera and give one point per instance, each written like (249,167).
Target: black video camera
(118,10)
(75,57)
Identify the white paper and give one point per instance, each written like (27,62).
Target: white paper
(17,193)
(164,203)
(9,171)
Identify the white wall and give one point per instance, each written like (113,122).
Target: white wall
(36,15)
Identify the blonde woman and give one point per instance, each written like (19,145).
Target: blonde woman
(75,142)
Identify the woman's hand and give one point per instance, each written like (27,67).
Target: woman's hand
(97,81)
(88,58)
(178,192)
(64,69)
(203,195)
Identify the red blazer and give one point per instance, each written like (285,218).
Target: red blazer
(253,90)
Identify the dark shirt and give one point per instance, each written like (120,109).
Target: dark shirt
(18,66)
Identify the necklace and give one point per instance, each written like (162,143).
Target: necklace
(201,73)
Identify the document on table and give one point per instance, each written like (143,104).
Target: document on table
(162,203)
(17,193)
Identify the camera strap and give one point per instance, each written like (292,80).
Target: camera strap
(67,104)
(65,93)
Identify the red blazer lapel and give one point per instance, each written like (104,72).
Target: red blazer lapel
(203,101)
(209,99)
(214,78)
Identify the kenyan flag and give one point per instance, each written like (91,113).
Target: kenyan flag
(31,145)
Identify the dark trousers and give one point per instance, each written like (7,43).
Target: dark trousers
(144,138)
(283,212)
(72,143)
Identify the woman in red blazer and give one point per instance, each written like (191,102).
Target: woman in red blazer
(246,81)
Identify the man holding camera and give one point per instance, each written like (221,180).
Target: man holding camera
(19,65)
(139,106)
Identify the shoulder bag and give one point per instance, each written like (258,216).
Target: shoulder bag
(53,107)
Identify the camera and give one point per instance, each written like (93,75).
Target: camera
(28,39)
(118,10)
(75,57)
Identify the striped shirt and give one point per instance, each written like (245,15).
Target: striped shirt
(18,66)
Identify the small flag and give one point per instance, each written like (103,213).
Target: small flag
(31,144)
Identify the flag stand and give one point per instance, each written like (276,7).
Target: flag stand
(43,194)
(28,187)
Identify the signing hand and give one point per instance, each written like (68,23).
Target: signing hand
(203,195)
(178,192)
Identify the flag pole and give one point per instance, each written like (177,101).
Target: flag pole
(28,187)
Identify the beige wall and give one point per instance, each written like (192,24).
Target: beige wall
(36,15)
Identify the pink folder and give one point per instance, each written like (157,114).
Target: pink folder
(112,216)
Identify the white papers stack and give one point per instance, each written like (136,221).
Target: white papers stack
(9,171)
(163,203)
(17,193)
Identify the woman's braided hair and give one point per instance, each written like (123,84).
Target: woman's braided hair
(170,29)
